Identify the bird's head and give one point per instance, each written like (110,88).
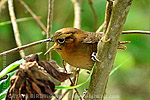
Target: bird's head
(66,38)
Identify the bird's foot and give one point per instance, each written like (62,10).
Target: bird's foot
(105,40)
(94,58)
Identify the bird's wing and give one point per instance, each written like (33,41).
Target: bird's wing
(93,37)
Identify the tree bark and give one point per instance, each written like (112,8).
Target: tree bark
(107,50)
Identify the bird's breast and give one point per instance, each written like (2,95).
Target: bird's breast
(79,56)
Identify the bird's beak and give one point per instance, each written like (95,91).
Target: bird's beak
(51,48)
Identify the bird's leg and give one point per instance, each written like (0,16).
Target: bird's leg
(94,58)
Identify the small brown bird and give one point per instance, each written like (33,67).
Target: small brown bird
(76,46)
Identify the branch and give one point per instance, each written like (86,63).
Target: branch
(2,2)
(100,28)
(49,25)
(77,13)
(15,26)
(34,16)
(23,47)
(135,32)
(94,13)
(107,50)
(107,15)
(72,83)
(62,96)
(75,80)
(132,32)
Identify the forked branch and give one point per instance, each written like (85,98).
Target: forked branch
(107,50)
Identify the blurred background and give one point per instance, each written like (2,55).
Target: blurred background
(130,82)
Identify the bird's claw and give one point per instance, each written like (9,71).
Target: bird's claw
(94,58)
(105,40)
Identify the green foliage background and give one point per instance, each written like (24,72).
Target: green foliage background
(130,82)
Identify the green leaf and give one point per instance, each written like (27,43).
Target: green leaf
(116,68)
(10,67)
(123,56)
(72,87)
(4,85)
(3,95)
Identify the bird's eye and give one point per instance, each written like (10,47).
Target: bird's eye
(62,40)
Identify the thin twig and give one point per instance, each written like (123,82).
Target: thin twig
(136,32)
(34,16)
(100,28)
(94,13)
(62,96)
(49,25)
(77,13)
(23,47)
(72,83)
(108,12)
(15,26)
(75,82)
(67,82)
